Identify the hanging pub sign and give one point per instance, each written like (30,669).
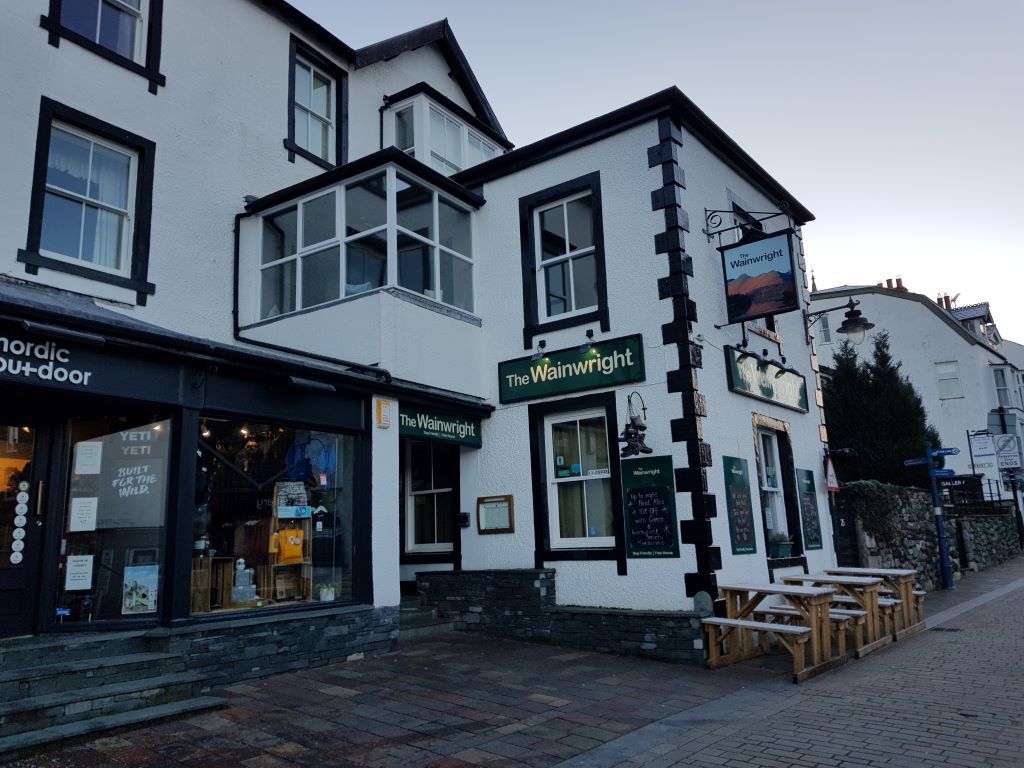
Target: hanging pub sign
(759,277)
(765,380)
(738,504)
(649,499)
(809,509)
(463,430)
(602,364)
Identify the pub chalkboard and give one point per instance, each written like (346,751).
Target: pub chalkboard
(740,509)
(809,508)
(649,499)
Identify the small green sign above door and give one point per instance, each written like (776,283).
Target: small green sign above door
(439,426)
(604,364)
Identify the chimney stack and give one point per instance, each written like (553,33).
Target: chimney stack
(899,284)
(888,282)
(945,301)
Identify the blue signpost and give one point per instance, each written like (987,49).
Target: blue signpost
(945,566)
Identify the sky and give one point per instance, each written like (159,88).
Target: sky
(898,123)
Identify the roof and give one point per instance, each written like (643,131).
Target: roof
(439,33)
(670,102)
(972,311)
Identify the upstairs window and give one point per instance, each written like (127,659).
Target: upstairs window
(126,32)
(1003,396)
(317,90)
(567,262)
(405,134)
(824,332)
(948,375)
(438,137)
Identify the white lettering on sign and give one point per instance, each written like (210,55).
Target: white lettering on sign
(434,424)
(746,259)
(605,364)
(49,354)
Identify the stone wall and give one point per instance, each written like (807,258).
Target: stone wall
(521,604)
(895,528)
(232,650)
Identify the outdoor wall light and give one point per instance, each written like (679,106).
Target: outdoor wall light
(539,352)
(588,345)
(855,326)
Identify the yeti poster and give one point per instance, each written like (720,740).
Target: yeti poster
(759,277)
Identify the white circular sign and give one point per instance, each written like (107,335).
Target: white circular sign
(21,509)
(23,485)
(19,533)
(17,546)
(19,521)
(16,557)
(22,498)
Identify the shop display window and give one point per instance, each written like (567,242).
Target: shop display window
(112,547)
(273,516)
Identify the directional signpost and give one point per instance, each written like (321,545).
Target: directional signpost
(940,529)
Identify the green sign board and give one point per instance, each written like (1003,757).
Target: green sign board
(739,507)
(809,508)
(649,499)
(604,364)
(765,380)
(439,426)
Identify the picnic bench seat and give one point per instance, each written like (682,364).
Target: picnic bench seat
(852,619)
(887,609)
(792,638)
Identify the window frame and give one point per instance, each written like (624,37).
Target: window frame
(409,509)
(300,52)
(537,322)
(768,455)
(1004,393)
(826,332)
(148,43)
(134,276)
(956,377)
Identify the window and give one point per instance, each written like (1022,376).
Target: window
(317,92)
(770,481)
(825,331)
(449,138)
(125,32)
(431,498)
(563,257)
(579,480)
(1002,388)
(948,375)
(334,244)
(453,146)
(405,135)
(91,201)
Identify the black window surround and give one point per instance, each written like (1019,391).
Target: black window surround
(405,557)
(297,49)
(534,324)
(542,534)
(154,33)
(49,111)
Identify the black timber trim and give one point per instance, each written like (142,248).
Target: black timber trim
(297,48)
(533,324)
(154,34)
(691,479)
(543,552)
(435,95)
(439,33)
(391,155)
(669,102)
(137,280)
(313,31)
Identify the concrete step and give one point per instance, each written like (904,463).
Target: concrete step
(27,682)
(54,709)
(11,745)
(31,651)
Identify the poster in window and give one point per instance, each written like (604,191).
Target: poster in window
(648,499)
(740,509)
(809,509)
(140,589)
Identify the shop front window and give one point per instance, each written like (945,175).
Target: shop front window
(112,547)
(273,516)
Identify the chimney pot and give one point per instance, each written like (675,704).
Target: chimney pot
(888,282)
(899,284)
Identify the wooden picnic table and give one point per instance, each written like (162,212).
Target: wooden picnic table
(741,600)
(862,589)
(899,580)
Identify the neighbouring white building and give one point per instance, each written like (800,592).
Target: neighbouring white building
(284,323)
(970,379)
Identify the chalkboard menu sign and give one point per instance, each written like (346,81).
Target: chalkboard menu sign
(740,510)
(649,499)
(809,508)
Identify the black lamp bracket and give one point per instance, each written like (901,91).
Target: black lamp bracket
(713,220)
(810,318)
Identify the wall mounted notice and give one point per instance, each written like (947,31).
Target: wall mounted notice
(83,514)
(88,458)
(809,508)
(78,573)
(740,509)
(649,500)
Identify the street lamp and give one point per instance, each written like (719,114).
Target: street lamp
(855,326)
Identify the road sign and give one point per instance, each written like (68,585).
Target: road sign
(913,462)
(1007,451)
(943,473)
(945,452)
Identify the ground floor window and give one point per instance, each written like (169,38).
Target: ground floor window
(579,488)
(431,477)
(273,516)
(770,480)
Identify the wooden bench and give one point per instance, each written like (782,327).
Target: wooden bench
(888,613)
(918,605)
(842,619)
(792,638)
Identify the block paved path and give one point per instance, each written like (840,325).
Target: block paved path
(950,696)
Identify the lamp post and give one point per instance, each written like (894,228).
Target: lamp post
(855,326)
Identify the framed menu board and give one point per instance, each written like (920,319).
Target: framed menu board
(649,501)
(809,509)
(495,514)
(740,509)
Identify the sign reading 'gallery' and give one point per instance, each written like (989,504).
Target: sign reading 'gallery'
(759,277)
(605,364)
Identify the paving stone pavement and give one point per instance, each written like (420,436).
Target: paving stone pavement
(950,696)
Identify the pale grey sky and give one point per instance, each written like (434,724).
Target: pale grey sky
(897,122)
